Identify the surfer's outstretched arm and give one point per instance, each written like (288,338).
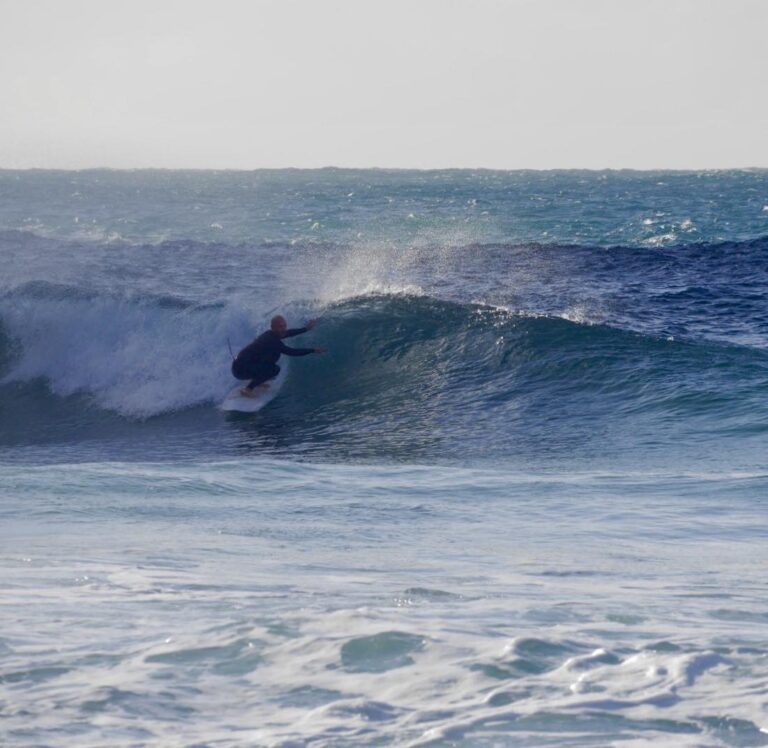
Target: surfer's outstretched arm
(300,351)
(300,330)
(295,351)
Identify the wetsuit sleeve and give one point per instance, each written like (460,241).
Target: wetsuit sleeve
(295,351)
(294,331)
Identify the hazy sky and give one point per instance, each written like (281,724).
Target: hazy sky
(415,83)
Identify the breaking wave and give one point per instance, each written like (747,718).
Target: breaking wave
(401,367)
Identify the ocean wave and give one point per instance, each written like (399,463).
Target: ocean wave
(393,355)
(135,355)
(726,248)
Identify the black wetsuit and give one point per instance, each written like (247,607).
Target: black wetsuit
(258,361)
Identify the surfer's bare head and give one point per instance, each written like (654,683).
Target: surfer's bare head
(279,325)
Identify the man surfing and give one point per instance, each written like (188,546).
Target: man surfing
(258,360)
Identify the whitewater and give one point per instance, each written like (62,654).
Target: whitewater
(520,501)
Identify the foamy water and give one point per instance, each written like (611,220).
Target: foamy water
(274,604)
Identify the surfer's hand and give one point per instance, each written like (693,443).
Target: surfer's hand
(321,350)
(311,324)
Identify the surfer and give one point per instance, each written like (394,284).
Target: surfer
(258,360)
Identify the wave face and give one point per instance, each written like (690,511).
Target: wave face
(407,377)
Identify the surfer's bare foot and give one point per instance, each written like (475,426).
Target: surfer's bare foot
(251,391)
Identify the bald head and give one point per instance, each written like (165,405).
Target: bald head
(279,325)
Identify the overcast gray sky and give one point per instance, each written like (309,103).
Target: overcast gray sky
(416,83)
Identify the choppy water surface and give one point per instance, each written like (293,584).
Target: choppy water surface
(519,502)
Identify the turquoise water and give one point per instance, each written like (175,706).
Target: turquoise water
(519,502)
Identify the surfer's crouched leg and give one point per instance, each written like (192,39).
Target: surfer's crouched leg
(257,373)
(269,371)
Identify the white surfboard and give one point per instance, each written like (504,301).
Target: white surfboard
(236,402)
